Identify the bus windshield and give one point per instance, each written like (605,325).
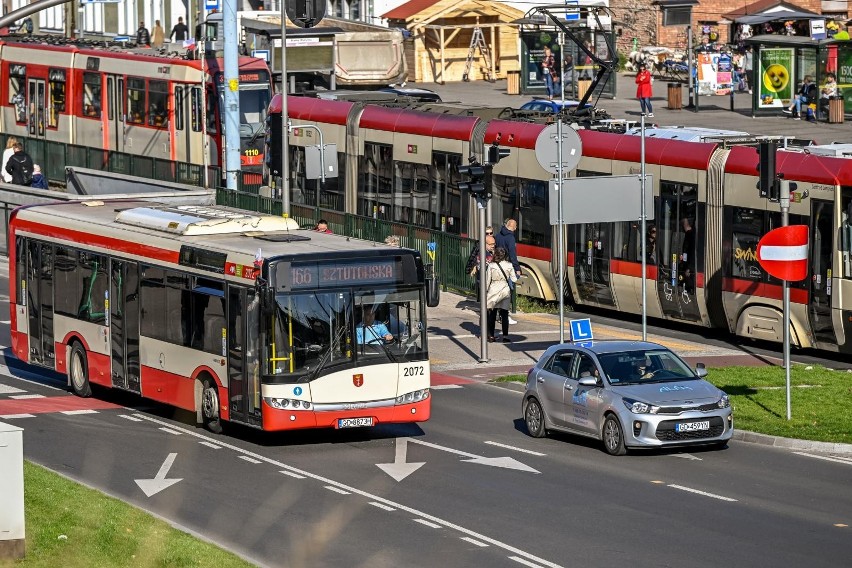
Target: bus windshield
(318,331)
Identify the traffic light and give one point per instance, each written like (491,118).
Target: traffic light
(496,153)
(479,183)
(768,184)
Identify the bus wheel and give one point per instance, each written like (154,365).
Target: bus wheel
(210,406)
(78,369)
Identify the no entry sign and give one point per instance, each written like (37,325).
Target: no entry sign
(783,252)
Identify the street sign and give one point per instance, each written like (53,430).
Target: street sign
(783,252)
(601,199)
(547,149)
(581,330)
(121,38)
(572,10)
(211,5)
(261,54)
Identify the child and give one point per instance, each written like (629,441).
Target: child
(39,180)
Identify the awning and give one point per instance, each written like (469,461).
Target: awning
(780,15)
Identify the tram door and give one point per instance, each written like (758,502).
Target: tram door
(591,267)
(243,355)
(678,256)
(115,118)
(124,324)
(820,270)
(40,302)
(37,108)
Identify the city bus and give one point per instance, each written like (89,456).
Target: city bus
(238,317)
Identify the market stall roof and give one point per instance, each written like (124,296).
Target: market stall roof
(786,40)
(769,11)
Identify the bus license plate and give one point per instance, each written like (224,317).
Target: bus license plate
(692,426)
(354,422)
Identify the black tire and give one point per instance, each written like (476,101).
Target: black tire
(210,406)
(534,419)
(78,371)
(613,437)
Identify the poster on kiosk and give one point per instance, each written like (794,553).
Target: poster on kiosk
(775,77)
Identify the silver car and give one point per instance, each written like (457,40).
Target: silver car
(629,394)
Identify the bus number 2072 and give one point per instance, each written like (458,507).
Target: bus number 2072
(416,371)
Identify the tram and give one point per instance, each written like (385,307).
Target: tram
(402,165)
(137,101)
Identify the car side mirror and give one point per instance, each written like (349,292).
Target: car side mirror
(700,370)
(588,382)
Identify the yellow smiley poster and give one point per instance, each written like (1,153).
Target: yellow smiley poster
(775,77)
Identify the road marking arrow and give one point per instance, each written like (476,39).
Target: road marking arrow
(154,486)
(506,462)
(686,456)
(400,469)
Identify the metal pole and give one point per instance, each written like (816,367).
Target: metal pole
(285,119)
(785,289)
(693,102)
(643,235)
(232,93)
(205,144)
(481,204)
(560,228)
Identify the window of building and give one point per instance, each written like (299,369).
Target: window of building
(91,95)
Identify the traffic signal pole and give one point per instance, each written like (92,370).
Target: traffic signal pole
(784,201)
(481,205)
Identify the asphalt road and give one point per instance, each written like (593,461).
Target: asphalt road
(485,494)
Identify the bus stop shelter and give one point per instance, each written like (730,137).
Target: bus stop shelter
(781,63)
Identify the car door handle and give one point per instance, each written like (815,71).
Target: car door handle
(569,387)
(540,380)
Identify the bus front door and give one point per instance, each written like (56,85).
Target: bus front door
(243,352)
(40,302)
(819,256)
(124,324)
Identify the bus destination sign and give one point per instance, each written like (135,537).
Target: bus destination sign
(316,275)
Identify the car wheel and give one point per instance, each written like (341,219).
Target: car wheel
(534,418)
(78,370)
(613,438)
(210,406)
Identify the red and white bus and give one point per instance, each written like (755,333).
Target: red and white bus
(235,316)
(135,101)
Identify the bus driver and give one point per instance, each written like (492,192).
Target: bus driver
(370,331)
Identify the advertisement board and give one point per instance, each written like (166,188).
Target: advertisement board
(775,75)
(714,73)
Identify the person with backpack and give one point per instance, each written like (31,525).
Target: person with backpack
(20,166)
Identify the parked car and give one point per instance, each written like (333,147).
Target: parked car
(626,394)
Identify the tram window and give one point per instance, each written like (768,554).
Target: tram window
(748,228)
(57,96)
(158,103)
(110,98)
(17,92)
(196,109)
(211,112)
(91,95)
(136,100)
(253,105)
(846,230)
(179,101)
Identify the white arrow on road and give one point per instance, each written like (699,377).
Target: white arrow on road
(400,469)
(504,462)
(154,486)
(686,456)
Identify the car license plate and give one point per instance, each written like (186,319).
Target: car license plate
(692,426)
(354,422)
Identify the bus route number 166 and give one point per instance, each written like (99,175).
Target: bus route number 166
(415,371)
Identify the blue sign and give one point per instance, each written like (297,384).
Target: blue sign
(297,391)
(261,54)
(581,330)
(211,4)
(572,10)
(121,38)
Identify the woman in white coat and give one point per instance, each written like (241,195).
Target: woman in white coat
(7,153)
(499,292)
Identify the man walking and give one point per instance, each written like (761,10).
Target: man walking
(143,38)
(506,240)
(20,166)
(179,31)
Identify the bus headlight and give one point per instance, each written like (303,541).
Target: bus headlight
(414,396)
(284,403)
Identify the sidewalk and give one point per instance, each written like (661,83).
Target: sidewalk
(713,111)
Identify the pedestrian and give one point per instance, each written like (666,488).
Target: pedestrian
(472,267)
(7,153)
(39,181)
(506,240)
(158,35)
(143,38)
(20,166)
(28,25)
(179,31)
(644,80)
(322,227)
(548,72)
(806,95)
(499,282)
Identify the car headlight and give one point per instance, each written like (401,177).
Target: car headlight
(639,407)
(724,402)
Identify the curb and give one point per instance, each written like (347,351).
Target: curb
(791,443)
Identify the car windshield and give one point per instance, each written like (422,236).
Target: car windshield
(645,365)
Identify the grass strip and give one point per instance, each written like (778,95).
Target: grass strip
(70,525)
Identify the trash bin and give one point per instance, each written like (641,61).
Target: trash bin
(583,86)
(513,82)
(675,96)
(835,110)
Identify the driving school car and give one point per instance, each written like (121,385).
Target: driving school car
(627,394)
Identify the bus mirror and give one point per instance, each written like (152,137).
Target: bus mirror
(267,300)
